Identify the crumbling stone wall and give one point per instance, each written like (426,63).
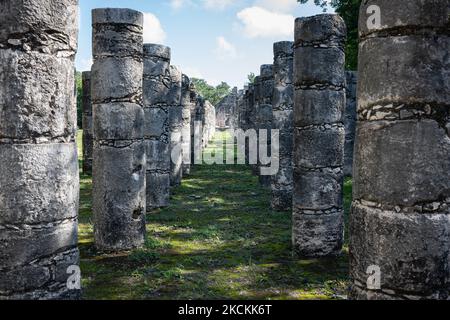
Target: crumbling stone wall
(119,149)
(319,136)
(350,121)
(175,126)
(283,120)
(400,220)
(265,115)
(39,184)
(88,134)
(156,125)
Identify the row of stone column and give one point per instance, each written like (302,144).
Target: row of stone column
(142,110)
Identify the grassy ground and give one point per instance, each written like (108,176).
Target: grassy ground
(217,240)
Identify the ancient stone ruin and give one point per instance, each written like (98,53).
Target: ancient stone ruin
(283,119)
(319,135)
(146,127)
(400,219)
(350,119)
(88,132)
(264,119)
(225,110)
(187,104)
(175,126)
(39,184)
(119,149)
(156,126)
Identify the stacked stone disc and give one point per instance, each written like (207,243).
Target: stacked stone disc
(186,102)
(350,119)
(400,220)
(319,136)
(283,120)
(119,149)
(156,127)
(88,133)
(39,184)
(175,126)
(265,117)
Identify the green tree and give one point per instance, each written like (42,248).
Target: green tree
(251,78)
(211,93)
(349,11)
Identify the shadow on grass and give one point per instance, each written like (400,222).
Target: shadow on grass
(217,240)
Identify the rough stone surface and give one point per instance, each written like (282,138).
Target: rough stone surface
(88,132)
(175,126)
(265,115)
(225,110)
(187,104)
(156,124)
(38,157)
(400,212)
(283,120)
(350,119)
(319,135)
(119,204)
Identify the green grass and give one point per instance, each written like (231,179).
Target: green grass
(217,240)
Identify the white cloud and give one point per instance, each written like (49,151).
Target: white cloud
(153,30)
(224,49)
(217,4)
(192,72)
(260,22)
(178,4)
(278,5)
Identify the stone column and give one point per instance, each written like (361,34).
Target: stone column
(400,220)
(283,120)
(39,184)
(156,127)
(88,134)
(254,118)
(119,150)
(265,114)
(319,135)
(350,121)
(175,126)
(186,103)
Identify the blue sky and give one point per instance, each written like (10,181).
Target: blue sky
(218,40)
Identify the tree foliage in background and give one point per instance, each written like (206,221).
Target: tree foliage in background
(211,93)
(79,84)
(349,11)
(251,78)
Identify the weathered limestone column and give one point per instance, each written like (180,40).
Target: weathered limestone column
(175,126)
(88,134)
(119,149)
(225,110)
(350,121)
(319,135)
(265,115)
(210,122)
(186,102)
(39,184)
(254,118)
(156,127)
(283,119)
(400,220)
